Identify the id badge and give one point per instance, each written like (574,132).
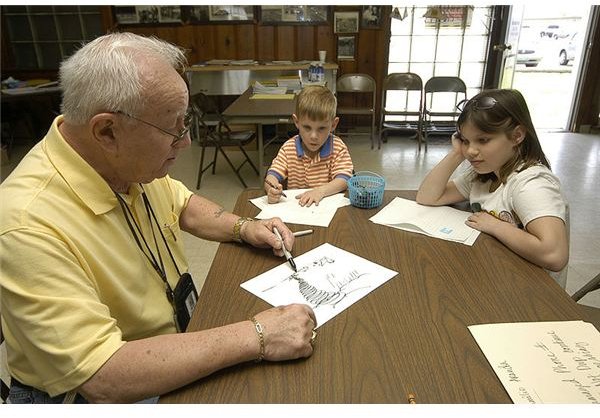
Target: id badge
(185,297)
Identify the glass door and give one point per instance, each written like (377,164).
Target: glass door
(545,65)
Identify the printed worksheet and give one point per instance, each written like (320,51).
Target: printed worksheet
(441,222)
(544,362)
(290,211)
(328,279)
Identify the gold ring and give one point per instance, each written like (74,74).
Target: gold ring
(313,337)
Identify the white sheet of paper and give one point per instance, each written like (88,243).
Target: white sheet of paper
(290,211)
(441,222)
(329,279)
(544,362)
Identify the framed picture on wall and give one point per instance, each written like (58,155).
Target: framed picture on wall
(346,47)
(144,15)
(294,15)
(345,22)
(231,14)
(194,14)
(371,17)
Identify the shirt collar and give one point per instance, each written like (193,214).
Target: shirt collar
(325,151)
(81,177)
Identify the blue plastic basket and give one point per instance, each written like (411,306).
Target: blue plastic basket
(366,189)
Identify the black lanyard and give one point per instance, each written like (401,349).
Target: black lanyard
(155,261)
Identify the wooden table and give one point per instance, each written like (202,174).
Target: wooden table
(408,335)
(260,112)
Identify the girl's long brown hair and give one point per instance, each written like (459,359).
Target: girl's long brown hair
(509,111)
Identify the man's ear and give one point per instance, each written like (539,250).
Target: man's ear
(102,128)
(519,134)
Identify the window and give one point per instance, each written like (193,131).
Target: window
(441,41)
(39,37)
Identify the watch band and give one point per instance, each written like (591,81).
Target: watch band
(237,228)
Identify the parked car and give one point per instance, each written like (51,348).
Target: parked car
(554,31)
(566,50)
(528,53)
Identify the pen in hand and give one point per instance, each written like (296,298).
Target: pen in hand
(287,254)
(273,186)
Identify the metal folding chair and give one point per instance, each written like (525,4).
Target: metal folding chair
(359,84)
(442,94)
(407,89)
(211,130)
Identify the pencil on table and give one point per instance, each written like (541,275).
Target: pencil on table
(301,233)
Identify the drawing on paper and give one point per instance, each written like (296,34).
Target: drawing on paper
(328,279)
(317,296)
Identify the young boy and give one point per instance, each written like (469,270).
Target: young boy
(314,158)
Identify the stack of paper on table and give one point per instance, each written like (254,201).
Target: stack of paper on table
(243,62)
(329,279)
(291,82)
(218,62)
(289,210)
(259,88)
(544,362)
(439,222)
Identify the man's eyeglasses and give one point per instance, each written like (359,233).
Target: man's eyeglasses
(482,103)
(187,124)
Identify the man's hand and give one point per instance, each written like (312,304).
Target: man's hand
(287,331)
(259,233)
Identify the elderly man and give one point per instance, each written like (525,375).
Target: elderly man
(93,282)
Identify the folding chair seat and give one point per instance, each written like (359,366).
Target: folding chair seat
(211,130)
(4,375)
(359,85)
(402,96)
(442,94)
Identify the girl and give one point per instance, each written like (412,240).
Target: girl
(513,194)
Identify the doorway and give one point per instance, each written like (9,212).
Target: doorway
(547,57)
(548,60)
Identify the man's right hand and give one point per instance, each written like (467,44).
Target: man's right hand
(287,331)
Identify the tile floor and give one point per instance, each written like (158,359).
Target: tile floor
(575,158)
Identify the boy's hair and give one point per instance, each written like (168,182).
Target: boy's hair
(317,103)
(503,114)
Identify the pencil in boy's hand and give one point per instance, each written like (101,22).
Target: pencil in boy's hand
(273,186)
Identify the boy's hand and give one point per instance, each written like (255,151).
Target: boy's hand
(274,193)
(309,197)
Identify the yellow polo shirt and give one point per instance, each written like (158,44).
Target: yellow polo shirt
(74,285)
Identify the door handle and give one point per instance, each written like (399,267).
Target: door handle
(502,47)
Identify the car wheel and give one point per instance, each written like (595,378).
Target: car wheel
(562,57)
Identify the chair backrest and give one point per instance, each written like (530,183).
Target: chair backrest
(448,92)
(402,81)
(207,114)
(445,84)
(406,82)
(355,83)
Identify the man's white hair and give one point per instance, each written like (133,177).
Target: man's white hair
(105,74)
